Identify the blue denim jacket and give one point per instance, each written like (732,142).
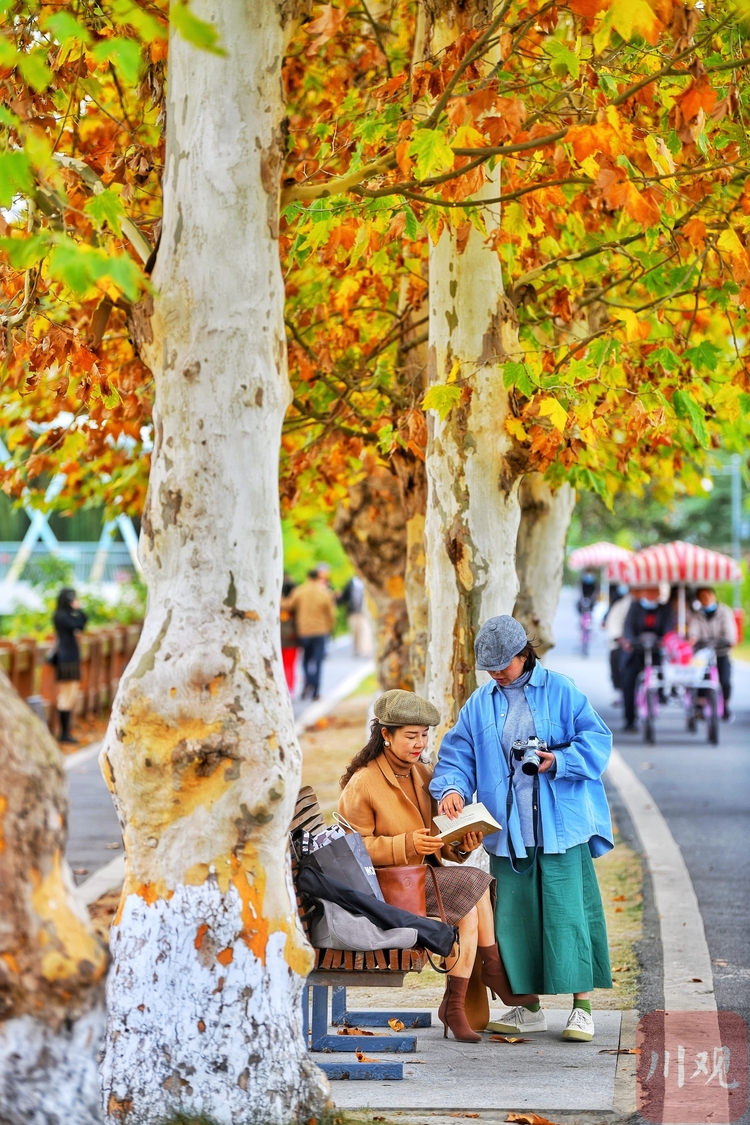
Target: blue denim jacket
(572,803)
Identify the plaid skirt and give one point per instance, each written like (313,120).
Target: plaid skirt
(460,889)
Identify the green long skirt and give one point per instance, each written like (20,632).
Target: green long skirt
(550,923)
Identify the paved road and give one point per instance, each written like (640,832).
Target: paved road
(92,819)
(703,792)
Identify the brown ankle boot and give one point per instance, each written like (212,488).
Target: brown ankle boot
(496,978)
(452,1014)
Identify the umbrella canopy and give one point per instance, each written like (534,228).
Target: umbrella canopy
(680,562)
(598,554)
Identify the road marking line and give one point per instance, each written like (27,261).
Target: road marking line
(106,879)
(683,939)
(343,688)
(70,761)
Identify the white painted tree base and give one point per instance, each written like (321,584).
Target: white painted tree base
(188,1032)
(50,1077)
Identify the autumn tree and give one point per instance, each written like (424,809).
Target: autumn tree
(52,963)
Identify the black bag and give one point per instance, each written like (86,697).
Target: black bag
(345,859)
(433,935)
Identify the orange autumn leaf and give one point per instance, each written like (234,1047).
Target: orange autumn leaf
(324,27)
(699,96)
(587,140)
(695,231)
(587,8)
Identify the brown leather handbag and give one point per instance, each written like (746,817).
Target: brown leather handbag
(404,887)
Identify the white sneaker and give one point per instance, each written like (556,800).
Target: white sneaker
(519,1020)
(580,1027)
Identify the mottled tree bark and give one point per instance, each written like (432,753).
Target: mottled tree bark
(371,525)
(209,957)
(52,964)
(540,555)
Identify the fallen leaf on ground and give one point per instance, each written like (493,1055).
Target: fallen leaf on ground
(396,1025)
(720,962)
(508,1039)
(528,1119)
(618,898)
(697,980)
(353,1031)
(80,870)
(321,724)
(621,969)
(619,910)
(620,1051)
(112,847)
(362,1057)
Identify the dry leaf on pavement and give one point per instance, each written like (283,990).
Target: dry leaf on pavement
(396,1025)
(508,1039)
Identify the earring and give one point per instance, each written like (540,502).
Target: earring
(386,743)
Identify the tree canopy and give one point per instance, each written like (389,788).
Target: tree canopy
(619,128)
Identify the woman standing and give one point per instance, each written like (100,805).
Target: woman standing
(386,799)
(549,919)
(68,620)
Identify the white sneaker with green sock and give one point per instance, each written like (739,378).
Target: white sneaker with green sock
(580,1026)
(518,1021)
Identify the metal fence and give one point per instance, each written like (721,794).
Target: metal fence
(114,561)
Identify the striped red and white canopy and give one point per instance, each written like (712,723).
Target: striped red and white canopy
(598,554)
(680,562)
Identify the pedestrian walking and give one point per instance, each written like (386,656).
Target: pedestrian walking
(289,639)
(549,798)
(352,597)
(647,620)
(712,622)
(385,798)
(314,607)
(68,620)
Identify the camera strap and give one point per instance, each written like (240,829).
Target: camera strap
(534,810)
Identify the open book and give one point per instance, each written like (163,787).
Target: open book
(472,818)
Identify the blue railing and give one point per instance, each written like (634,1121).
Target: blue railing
(116,562)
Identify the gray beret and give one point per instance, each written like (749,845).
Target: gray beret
(398,708)
(498,641)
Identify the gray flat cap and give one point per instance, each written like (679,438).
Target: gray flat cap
(398,708)
(498,641)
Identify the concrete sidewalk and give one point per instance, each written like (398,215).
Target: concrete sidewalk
(545,1075)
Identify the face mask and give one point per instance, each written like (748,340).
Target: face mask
(622,591)
(646,604)
(709,609)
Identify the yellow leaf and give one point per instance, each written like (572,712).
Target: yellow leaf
(635,329)
(556,413)
(453,373)
(590,167)
(515,428)
(634,17)
(468,137)
(729,242)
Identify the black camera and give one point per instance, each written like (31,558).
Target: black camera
(526,751)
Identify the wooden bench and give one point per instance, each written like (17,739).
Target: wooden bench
(337,970)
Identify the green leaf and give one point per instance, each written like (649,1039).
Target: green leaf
(194,30)
(125,54)
(517,375)
(688,410)
(15,176)
(106,207)
(23,253)
(432,153)
(34,69)
(8,53)
(666,357)
(127,275)
(411,229)
(563,60)
(442,397)
(65,28)
(705,355)
(126,13)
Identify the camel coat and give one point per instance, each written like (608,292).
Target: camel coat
(376,806)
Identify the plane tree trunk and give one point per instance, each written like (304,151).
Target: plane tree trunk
(52,964)
(209,958)
(540,555)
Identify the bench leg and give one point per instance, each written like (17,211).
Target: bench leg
(373,1071)
(322,1041)
(379,1018)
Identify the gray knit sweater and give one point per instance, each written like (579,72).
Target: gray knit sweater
(519,723)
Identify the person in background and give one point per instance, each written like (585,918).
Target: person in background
(712,622)
(68,620)
(589,591)
(314,607)
(645,615)
(613,623)
(289,641)
(353,598)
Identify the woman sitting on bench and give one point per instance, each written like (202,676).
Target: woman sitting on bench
(386,799)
